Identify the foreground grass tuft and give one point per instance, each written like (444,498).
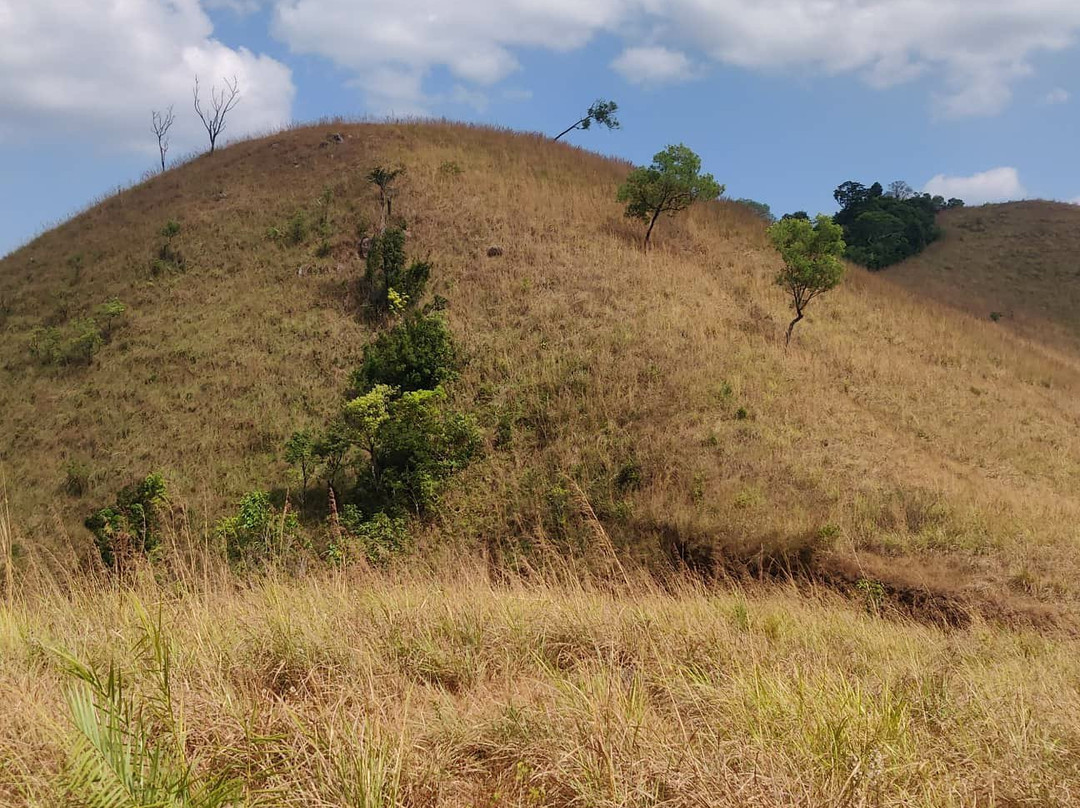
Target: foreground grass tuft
(369,689)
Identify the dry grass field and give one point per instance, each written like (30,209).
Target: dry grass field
(1017,260)
(887,512)
(896,436)
(418,689)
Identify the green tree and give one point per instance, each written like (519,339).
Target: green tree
(393,284)
(671,184)
(364,417)
(416,354)
(300,453)
(420,444)
(384,178)
(109,314)
(811,252)
(258,530)
(601,112)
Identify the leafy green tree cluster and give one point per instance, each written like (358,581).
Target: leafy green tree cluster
(811,252)
(396,440)
(393,284)
(132,526)
(76,342)
(671,184)
(882,228)
(400,445)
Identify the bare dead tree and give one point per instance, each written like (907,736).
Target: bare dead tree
(221,104)
(162,124)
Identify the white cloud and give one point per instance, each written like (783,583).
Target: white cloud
(653,65)
(473,40)
(1058,95)
(98,68)
(1074,201)
(975,52)
(996,185)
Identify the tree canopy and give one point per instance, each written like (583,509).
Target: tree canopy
(811,252)
(601,112)
(882,228)
(672,183)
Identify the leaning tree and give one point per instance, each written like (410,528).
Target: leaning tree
(601,113)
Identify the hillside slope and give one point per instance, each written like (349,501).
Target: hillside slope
(647,396)
(1017,261)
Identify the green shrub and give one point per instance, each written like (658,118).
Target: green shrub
(132,526)
(258,530)
(296,231)
(416,354)
(76,478)
(168,259)
(171,229)
(84,340)
(109,314)
(45,345)
(386,273)
(450,169)
(78,341)
(419,445)
(377,538)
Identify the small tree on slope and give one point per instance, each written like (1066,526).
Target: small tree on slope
(601,112)
(811,253)
(671,184)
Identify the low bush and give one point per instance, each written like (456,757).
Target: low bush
(76,478)
(76,342)
(132,526)
(416,354)
(392,284)
(296,231)
(376,538)
(421,443)
(258,530)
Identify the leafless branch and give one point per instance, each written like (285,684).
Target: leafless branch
(162,124)
(221,104)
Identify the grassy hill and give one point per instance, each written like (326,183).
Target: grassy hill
(903,480)
(645,398)
(1017,262)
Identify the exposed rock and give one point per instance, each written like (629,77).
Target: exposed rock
(364,247)
(494,252)
(335,137)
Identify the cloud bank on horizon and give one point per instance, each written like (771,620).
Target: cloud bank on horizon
(996,185)
(976,51)
(93,60)
(99,67)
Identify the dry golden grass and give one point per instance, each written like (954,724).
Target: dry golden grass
(903,441)
(433,690)
(1017,259)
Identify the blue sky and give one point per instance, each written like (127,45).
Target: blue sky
(783,99)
